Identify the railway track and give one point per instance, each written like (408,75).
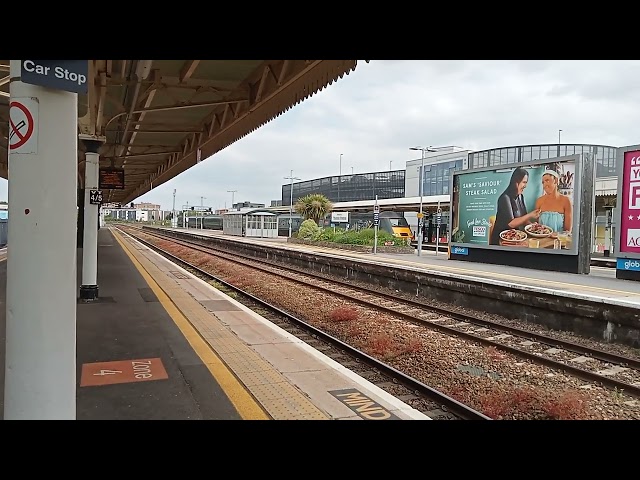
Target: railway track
(427,400)
(614,371)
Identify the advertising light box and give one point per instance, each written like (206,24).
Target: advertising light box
(629,205)
(529,206)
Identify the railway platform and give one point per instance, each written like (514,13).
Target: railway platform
(600,284)
(160,343)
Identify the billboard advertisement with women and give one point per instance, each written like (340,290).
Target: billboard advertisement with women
(530,206)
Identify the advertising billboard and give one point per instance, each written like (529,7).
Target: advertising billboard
(629,204)
(529,206)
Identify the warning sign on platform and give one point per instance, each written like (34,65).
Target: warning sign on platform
(23,125)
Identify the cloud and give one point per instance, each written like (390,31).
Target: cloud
(373,115)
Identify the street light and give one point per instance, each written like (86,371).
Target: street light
(201,213)
(339,176)
(559,136)
(420,215)
(174,220)
(232,192)
(292,178)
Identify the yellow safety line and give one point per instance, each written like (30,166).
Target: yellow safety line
(241,399)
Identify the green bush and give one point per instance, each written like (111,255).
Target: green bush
(328,234)
(352,237)
(309,230)
(369,235)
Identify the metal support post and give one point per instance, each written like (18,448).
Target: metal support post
(89,287)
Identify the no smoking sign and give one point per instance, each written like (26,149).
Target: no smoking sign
(23,125)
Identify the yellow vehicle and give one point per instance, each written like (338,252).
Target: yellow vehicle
(395,224)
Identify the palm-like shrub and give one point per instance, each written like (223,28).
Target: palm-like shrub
(313,206)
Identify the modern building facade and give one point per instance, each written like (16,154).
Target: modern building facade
(438,166)
(350,188)
(128,214)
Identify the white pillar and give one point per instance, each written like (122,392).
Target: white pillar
(89,287)
(40,365)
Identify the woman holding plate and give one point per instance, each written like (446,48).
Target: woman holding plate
(555,209)
(511,211)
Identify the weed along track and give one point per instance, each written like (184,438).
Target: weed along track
(478,363)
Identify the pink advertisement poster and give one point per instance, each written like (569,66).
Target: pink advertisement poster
(630,204)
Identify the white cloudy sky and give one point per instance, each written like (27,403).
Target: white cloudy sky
(373,115)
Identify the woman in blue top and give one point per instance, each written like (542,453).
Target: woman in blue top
(555,208)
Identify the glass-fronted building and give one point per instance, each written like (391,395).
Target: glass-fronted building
(350,188)
(438,166)
(605,156)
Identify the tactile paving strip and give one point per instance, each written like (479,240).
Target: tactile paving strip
(281,401)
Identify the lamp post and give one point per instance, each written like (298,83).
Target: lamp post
(559,136)
(291,178)
(174,220)
(420,215)
(232,192)
(339,176)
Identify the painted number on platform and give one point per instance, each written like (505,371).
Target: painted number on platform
(108,372)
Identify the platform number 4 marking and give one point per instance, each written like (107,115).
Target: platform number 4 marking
(107,372)
(95,197)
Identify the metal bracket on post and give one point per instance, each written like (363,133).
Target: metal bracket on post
(92,142)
